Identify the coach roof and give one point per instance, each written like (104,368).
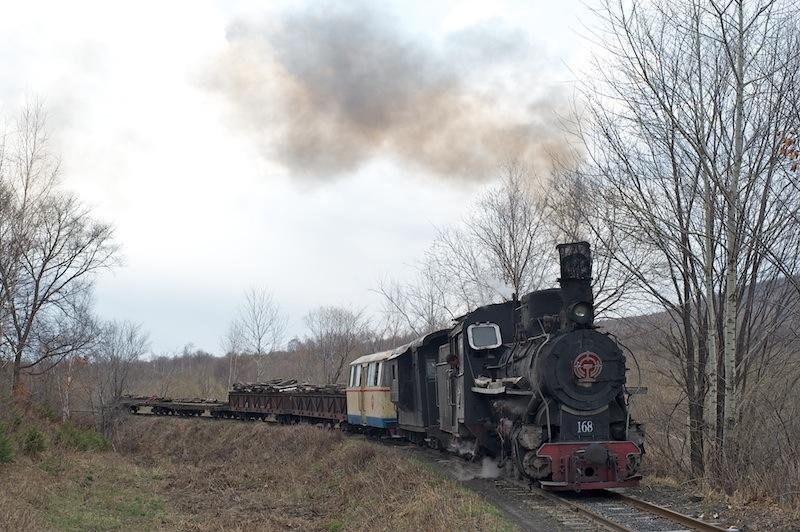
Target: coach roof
(391,354)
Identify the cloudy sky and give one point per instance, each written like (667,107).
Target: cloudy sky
(310,148)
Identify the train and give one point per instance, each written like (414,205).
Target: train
(531,382)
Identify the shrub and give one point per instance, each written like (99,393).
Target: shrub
(46,411)
(81,439)
(16,420)
(6,453)
(33,442)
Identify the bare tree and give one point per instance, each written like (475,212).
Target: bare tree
(336,334)
(50,248)
(574,215)
(419,306)
(496,251)
(119,346)
(261,325)
(232,346)
(82,340)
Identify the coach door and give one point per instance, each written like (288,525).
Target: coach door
(362,401)
(431,401)
(447,381)
(454,381)
(443,389)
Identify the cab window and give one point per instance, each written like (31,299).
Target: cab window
(372,372)
(430,368)
(484,336)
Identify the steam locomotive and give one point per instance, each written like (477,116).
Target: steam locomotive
(531,382)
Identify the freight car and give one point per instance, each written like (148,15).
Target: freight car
(281,401)
(532,382)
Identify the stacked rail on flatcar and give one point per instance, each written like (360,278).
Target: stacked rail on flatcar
(284,401)
(279,400)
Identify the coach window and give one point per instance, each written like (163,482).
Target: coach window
(379,374)
(371,371)
(357,377)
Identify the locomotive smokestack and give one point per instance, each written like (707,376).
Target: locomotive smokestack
(576,283)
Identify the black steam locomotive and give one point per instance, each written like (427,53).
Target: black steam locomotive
(531,382)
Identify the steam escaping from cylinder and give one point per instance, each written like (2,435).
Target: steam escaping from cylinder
(488,469)
(326,89)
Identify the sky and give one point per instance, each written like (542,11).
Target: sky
(310,148)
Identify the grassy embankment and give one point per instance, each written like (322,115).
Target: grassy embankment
(180,474)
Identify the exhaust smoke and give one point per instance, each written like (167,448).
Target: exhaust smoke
(324,90)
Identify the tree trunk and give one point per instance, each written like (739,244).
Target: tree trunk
(694,394)
(231,369)
(712,355)
(731,277)
(711,317)
(17,388)
(65,393)
(696,434)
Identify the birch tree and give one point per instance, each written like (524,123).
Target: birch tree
(231,344)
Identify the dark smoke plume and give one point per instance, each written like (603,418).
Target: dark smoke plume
(325,90)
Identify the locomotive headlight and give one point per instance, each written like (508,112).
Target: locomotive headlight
(581,313)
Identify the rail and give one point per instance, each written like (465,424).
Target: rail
(672,515)
(606,511)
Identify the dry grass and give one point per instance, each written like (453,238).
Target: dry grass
(176,474)
(66,490)
(238,476)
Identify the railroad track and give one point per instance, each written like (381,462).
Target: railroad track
(585,511)
(623,513)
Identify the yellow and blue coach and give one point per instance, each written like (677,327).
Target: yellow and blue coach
(368,392)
